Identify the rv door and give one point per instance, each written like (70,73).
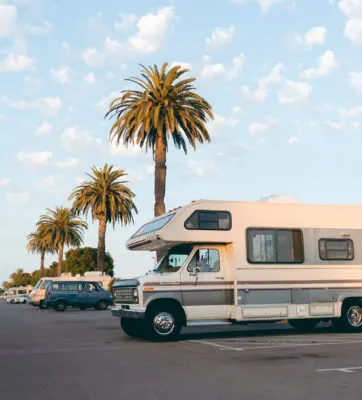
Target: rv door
(203,283)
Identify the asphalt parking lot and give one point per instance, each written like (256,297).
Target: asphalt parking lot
(84,355)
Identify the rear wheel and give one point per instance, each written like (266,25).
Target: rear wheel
(163,324)
(351,318)
(60,306)
(303,325)
(102,305)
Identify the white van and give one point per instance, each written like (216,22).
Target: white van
(37,295)
(235,262)
(17,292)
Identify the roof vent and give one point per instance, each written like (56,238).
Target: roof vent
(276,198)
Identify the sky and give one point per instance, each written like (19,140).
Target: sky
(284,78)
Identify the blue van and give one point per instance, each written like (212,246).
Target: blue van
(62,294)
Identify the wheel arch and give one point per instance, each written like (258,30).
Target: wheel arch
(168,302)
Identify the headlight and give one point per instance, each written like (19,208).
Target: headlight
(135,293)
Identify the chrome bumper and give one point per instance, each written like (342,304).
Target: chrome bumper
(121,313)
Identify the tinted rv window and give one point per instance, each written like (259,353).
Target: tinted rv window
(336,249)
(275,246)
(153,226)
(209,220)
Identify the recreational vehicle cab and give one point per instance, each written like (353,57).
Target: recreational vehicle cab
(232,262)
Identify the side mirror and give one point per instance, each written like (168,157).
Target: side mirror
(194,271)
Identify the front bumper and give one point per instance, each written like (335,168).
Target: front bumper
(121,313)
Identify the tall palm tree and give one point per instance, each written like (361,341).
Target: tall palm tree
(61,228)
(163,107)
(40,245)
(108,199)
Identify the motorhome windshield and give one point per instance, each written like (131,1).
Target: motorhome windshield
(153,226)
(174,259)
(40,281)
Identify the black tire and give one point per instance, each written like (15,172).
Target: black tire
(42,305)
(163,323)
(60,306)
(303,325)
(351,317)
(132,327)
(82,308)
(102,305)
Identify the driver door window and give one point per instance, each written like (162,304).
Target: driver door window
(205,260)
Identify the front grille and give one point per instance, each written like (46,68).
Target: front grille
(124,295)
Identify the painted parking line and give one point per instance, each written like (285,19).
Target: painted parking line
(245,344)
(347,370)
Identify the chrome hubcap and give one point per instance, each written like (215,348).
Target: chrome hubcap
(354,316)
(164,323)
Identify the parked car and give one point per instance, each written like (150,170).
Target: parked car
(17,300)
(62,294)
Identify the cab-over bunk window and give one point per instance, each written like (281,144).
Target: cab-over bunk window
(336,249)
(275,246)
(207,220)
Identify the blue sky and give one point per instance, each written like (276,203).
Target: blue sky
(284,78)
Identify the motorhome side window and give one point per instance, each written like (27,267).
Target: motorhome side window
(205,260)
(336,249)
(275,246)
(209,220)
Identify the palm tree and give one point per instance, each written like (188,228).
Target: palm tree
(40,245)
(60,227)
(108,199)
(164,107)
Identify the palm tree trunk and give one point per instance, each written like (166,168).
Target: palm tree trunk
(42,258)
(101,251)
(60,259)
(160,181)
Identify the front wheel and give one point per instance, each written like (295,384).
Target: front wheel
(163,324)
(131,327)
(60,306)
(43,305)
(303,325)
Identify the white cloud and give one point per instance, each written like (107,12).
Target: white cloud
(19,197)
(355,81)
(90,78)
(210,70)
(221,125)
(327,62)
(44,129)
(4,182)
(103,104)
(353,11)
(264,4)
(8,17)
(43,159)
(293,140)
(74,139)
(40,30)
(2,116)
(355,112)
(61,74)
(316,35)
(45,105)
(49,181)
(293,92)
(65,45)
(127,22)
(260,127)
(150,169)
(121,150)
(261,93)
(198,168)
(337,126)
(93,57)
(16,62)
(237,110)
(234,71)
(183,65)
(152,30)
(220,37)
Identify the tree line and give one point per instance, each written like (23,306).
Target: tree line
(163,106)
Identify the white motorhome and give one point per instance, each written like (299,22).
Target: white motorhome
(37,295)
(16,292)
(232,262)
